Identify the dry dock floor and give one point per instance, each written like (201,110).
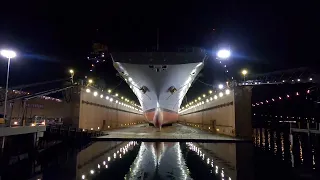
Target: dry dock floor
(174,133)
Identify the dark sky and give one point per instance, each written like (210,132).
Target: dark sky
(51,36)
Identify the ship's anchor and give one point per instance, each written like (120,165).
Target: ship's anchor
(172,89)
(144,89)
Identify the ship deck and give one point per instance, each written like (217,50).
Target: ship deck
(175,133)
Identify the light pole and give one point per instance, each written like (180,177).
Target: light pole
(244,73)
(9,54)
(90,81)
(71,71)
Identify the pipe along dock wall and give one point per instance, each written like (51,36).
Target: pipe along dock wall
(228,115)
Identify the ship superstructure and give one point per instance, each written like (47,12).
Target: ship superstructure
(160,80)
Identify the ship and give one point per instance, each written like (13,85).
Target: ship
(160,80)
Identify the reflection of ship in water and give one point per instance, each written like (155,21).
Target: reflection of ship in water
(159,160)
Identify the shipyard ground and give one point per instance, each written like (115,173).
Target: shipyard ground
(174,133)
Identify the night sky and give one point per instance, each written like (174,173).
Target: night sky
(50,37)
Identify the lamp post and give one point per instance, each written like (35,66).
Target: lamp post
(244,73)
(71,71)
(90,81)
(9,54)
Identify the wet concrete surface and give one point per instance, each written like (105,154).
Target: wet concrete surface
(176,132)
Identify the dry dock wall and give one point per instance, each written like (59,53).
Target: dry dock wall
(95,112)
(229,115)
(82,110)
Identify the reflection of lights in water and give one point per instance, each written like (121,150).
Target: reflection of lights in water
(194,148)
(137,162)
(269,139)
(171,163)
(291,146)
(275,142)
(313,160)
(300,150)
(263,139)
(282,145)
(104,162)
(181,162)
(258,139)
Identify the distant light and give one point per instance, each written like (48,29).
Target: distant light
(111,99)
(227,91)
(83,176)
(220,94)
(130,79)
(244,72)
(71,71)
(203,95)
(210,92)
(215,97)
(8,54)
(95,93)
(298,80)
(92,171)
(310,79)
(88,90)
(107,97)
(117,94)
(223,54)
(101,96)
(109,90)
(220,86)
(90,81)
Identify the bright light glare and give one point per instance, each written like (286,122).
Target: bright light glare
(95,93)
(8,54)
(227,91)
(244,72)
(223,54)
(87,90)
(220,86)
(90,81)
(71,71)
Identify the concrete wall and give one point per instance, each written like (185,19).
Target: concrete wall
(229,115)
(99,112)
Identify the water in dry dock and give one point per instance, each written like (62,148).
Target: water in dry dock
(270,156)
